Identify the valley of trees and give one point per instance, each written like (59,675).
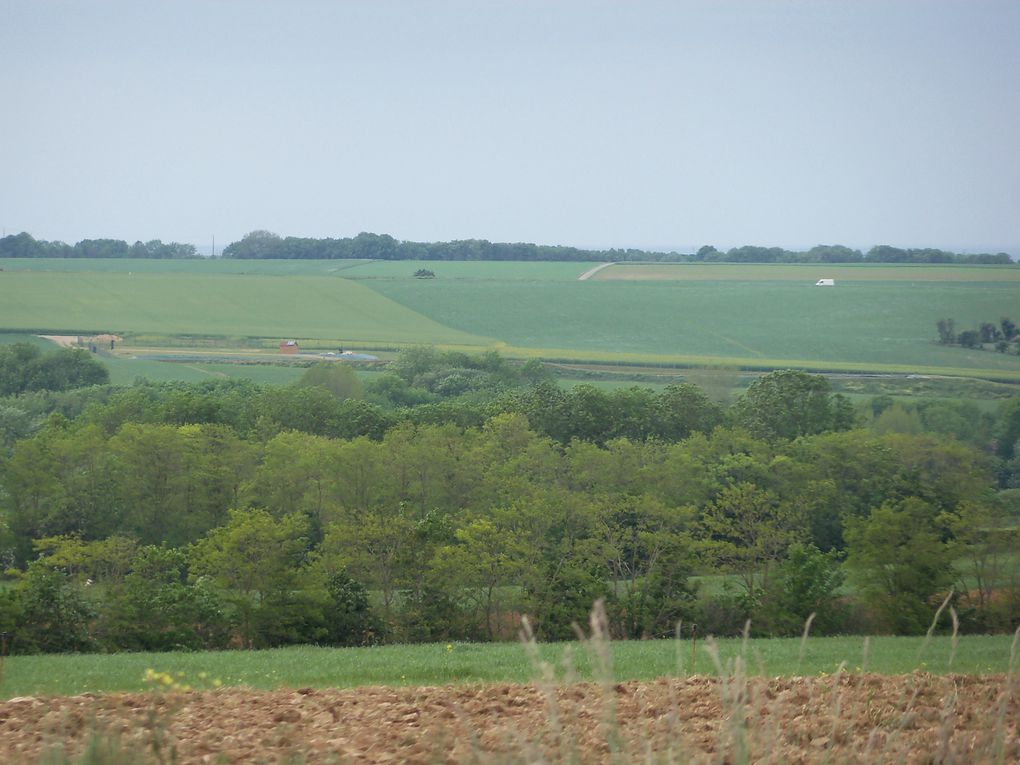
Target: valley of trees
(454,493)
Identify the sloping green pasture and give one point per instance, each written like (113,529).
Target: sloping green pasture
(888,325)
(755,316)
(228,305)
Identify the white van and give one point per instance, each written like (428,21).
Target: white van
(825,283)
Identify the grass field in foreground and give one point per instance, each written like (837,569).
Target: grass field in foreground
(438,664)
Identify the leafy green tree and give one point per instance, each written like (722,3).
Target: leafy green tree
(985,540)
(969,338)
(157,609)
(54,613)
(258,563)
(349,617)
(371,548)
(989,332)
(900,563)
(61,483)
(746,530)
(339,379)
(684,409)
(947,331)
(807,582)
(564,572)
(789,404)
(484,559)
(24,367)
(898,419)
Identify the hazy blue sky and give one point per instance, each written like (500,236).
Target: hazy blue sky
(586,123)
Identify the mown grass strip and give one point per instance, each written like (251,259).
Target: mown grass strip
(439,664)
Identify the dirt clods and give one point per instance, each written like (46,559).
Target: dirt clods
(908,719)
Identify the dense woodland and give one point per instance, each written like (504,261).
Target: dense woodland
(454,493)
(267,245)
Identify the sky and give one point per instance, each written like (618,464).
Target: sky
(662,125)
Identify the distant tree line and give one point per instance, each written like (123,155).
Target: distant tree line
(24,245)
(265,244)
(367,246)
(1003,336)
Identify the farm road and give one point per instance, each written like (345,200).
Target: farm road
(592,271)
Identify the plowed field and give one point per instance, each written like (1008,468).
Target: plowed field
(906,719)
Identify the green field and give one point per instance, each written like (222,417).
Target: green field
(193,266)
(438,664)
(751,316)
(860,324)
(471,270)
(364,269)
(217,304)
(807,273)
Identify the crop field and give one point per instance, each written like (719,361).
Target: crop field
(877,318)
(207,266)
(233,305)
(771,324)
(806,272)
(471,270)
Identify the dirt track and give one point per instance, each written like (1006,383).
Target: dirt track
(908,719)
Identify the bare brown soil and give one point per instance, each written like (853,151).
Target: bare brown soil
(908,719)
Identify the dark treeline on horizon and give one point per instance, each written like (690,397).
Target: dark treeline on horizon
(265,244)
(367,246)
(24,245)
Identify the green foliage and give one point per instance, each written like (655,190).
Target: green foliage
(265,244)
(807,582)
(54,613)
(899,560)
(456,530)
(23,245)
(258,562)
(338,379)
(349,619)
(746,530)
(790,404)
(24,367)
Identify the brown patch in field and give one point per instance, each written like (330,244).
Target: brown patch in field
(908,719)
